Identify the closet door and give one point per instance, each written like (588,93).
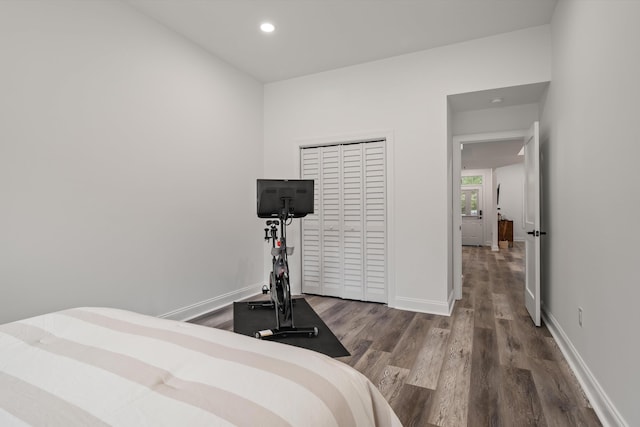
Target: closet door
(352,224)
(311,254)
(344,241)
(331,224)
(375,218)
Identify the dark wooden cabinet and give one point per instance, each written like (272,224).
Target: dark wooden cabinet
(505,231)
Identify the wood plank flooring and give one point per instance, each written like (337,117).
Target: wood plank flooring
(486,365)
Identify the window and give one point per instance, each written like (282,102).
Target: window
(469,203)
(471,180)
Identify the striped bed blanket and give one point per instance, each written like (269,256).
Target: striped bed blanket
(101,366)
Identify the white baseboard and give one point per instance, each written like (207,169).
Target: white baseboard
(602,405)
(495,249)
(203,307)
(442,308)
(451,301)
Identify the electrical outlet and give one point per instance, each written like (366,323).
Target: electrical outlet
(580,316)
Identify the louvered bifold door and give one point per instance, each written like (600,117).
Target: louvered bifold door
(311,247)
(331,238)
(375,210)
(344,241)
(352,224)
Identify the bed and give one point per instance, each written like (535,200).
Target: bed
(102,366)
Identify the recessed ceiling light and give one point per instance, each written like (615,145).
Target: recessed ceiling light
(267,27)
(496,100)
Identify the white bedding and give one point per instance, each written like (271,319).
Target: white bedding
(100,366)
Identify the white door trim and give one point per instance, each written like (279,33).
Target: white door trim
(387,136)
(458,140)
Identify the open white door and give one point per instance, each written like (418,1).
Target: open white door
(532,222)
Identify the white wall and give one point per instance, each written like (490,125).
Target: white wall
(511,180)
(590,150)
(128,159)
(408,95)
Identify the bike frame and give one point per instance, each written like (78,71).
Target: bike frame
(279,285)
(279,277)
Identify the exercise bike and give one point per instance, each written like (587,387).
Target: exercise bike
(292,200)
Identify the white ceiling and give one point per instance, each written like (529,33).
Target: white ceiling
(318,35)
(510,96)
(489,155)
(495,154)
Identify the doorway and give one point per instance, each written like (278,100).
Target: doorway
(484,117)
(489,206)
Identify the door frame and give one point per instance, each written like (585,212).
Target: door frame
(352,138)
(456,171)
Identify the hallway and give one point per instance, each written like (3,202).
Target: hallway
(515,364)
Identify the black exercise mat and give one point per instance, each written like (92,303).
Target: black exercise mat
(247,322)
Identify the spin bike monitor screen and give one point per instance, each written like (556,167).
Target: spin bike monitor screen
(276,195)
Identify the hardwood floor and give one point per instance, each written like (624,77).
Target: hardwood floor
(486,365)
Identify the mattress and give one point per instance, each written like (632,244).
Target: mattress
(102,366)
